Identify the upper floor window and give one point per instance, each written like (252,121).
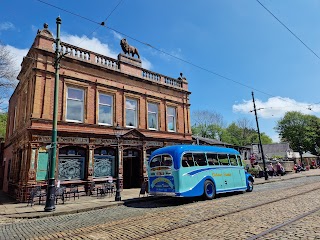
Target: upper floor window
(105,109)
(171,119)
(75,104)
(131,112)
(152,116)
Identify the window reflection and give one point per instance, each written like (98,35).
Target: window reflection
(75,104)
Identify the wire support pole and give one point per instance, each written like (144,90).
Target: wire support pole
(261,149)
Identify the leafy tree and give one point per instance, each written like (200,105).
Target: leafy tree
(8,72)
(265,139)
(300,130)
(207,124)
(3,124)
(211,125)
(235,134)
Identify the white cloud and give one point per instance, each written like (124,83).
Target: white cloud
(117,35)
(6,26)
(146,64)
(92,44)
(95,45)
(276,107)
(17,55)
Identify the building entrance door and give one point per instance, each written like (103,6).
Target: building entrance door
(131,168)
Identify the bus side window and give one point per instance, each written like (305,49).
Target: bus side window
(233,160)
(200,159)
(185,162)
(187,158)
(212,159)
(239,160)
(223,159)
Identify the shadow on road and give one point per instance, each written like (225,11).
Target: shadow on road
(150,202)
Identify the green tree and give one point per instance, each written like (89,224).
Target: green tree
(8,72)
(3,124)
(234,132)
(299,130)
(265,139)
(207,124)
(211,125)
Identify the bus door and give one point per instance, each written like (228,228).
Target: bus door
(237,172)
(228,172)
(217,174)
(241,172)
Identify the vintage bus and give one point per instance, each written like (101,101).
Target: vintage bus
(196,170)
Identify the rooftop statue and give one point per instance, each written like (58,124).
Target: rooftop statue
(181,78)
(127,49)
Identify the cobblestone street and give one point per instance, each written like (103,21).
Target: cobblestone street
(232,216)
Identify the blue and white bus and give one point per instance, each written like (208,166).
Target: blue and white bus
(196,170)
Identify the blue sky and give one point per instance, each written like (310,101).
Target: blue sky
(238,40)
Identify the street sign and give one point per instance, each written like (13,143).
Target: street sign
(255,149)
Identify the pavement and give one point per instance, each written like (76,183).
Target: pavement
(11,209)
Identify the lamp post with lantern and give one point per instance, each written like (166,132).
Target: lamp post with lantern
(118,133)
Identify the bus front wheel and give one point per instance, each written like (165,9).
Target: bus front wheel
(209,190)
(249,186)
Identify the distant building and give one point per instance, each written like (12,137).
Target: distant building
(279,150)
(96,93)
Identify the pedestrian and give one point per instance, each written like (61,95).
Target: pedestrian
(280,169)
(260,172)
(270,170)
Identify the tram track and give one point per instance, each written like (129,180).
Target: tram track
(270,230)
(115,229)
(290,221)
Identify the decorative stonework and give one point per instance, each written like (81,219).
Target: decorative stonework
(32,174)
(154,144)
(127,59)
(48,139)
(45,31)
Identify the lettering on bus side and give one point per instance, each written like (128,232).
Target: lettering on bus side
(216,175)
(227,174)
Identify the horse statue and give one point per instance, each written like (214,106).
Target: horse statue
(127,49)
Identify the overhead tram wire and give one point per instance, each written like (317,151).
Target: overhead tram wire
(159,50)
(103,23)
(295,35)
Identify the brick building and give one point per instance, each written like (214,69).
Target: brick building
(96,93)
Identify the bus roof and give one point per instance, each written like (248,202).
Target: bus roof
(177,150)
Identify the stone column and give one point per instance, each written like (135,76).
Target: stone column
(90,169)
(120,164)
(31,178)
(144,163)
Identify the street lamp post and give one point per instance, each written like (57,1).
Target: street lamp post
(50,206)
(117,133)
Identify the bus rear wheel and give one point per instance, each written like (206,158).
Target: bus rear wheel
(209,190)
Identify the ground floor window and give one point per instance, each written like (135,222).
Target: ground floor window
(71,163)
(104,162)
